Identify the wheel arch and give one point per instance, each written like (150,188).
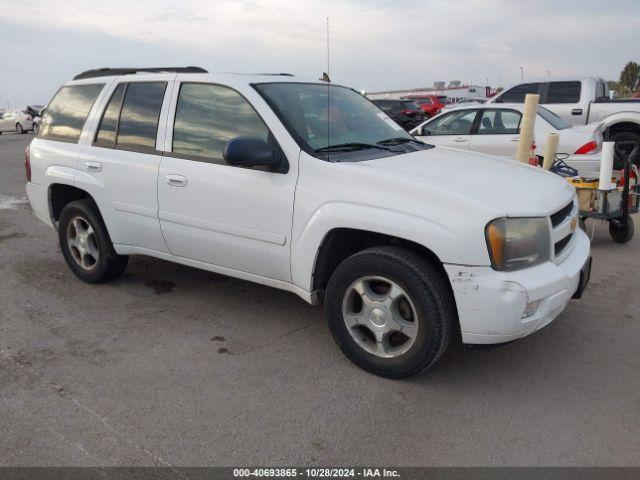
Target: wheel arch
(61,194)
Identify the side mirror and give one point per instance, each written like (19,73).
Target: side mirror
(250,152)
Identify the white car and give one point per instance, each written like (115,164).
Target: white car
(18,121)
(495,129)
(307,187)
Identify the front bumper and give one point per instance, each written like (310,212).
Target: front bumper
(491,303)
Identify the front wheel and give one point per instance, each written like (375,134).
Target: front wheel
(390,311)
(86,245)
(19,129)
(621,230)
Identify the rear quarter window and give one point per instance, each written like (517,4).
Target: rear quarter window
(563,92)
(67,113)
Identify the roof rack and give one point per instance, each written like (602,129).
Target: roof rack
(105,72)
(276,74)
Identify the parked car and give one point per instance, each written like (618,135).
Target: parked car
(430,104)
(18,121)
(495,129)
(405,113)
(37,119)
(310,188)
(582,101)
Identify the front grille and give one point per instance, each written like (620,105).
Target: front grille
(562,244)
(561,215)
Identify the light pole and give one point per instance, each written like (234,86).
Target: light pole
(521,73)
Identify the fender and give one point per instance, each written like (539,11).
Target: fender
(332,215)
(619,117)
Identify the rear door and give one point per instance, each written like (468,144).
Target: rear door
(563,98)
(452,129)
(212,212)
(120,168)
(497,133)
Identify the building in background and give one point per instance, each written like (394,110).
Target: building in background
(454,92)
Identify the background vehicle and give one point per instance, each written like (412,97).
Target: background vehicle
(38,118)
(582,101)
(406,113)
(310,188)
(463,102)
(430,104)
(19,121)
(495,129)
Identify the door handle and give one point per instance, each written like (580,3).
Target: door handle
(176,180)
(459,140)
(576,111)
(93,166)
(515,139)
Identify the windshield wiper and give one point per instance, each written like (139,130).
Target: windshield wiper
(348,147)
(398,140)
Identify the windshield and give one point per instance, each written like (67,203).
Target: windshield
(555,121)
(329,118)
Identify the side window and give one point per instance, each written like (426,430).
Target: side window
(138,125)
(563,92)
(499,122)
(106,136)
(68,111)
(517,94)
(209,116)
(454,123)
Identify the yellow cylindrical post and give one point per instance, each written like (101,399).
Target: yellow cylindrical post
(550,150)
(526,127)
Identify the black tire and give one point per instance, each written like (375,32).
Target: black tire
(622,232)
(19,129)
(109,264)
(428,291)
(628,137)
(583,223)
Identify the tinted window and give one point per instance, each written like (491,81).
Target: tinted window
(563,92)
(499,122)
(208,116)
(106,135)
(67,112)
(454,123)
(518,93)
(409,105)
(138,125)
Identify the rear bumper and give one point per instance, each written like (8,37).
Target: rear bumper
(491,303)
(39,200)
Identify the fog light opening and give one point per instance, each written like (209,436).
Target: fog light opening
(530,309)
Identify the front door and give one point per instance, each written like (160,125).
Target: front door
(452,129)
(232,217)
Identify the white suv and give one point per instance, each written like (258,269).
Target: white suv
(310,188)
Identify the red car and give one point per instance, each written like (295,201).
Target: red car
(430,104)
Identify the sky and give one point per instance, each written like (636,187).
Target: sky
(374,44)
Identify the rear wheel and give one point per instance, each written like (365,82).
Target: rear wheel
(19,129)
(86,245)
(390,311)
(628,137)
(621,230)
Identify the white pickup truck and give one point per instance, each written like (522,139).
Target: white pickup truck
(310,188)
(581,101)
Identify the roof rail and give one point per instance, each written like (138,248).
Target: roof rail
(276,74)
(105,72)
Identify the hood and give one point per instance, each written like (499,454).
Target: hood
(505,186)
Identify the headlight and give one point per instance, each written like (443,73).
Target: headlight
(516,243)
